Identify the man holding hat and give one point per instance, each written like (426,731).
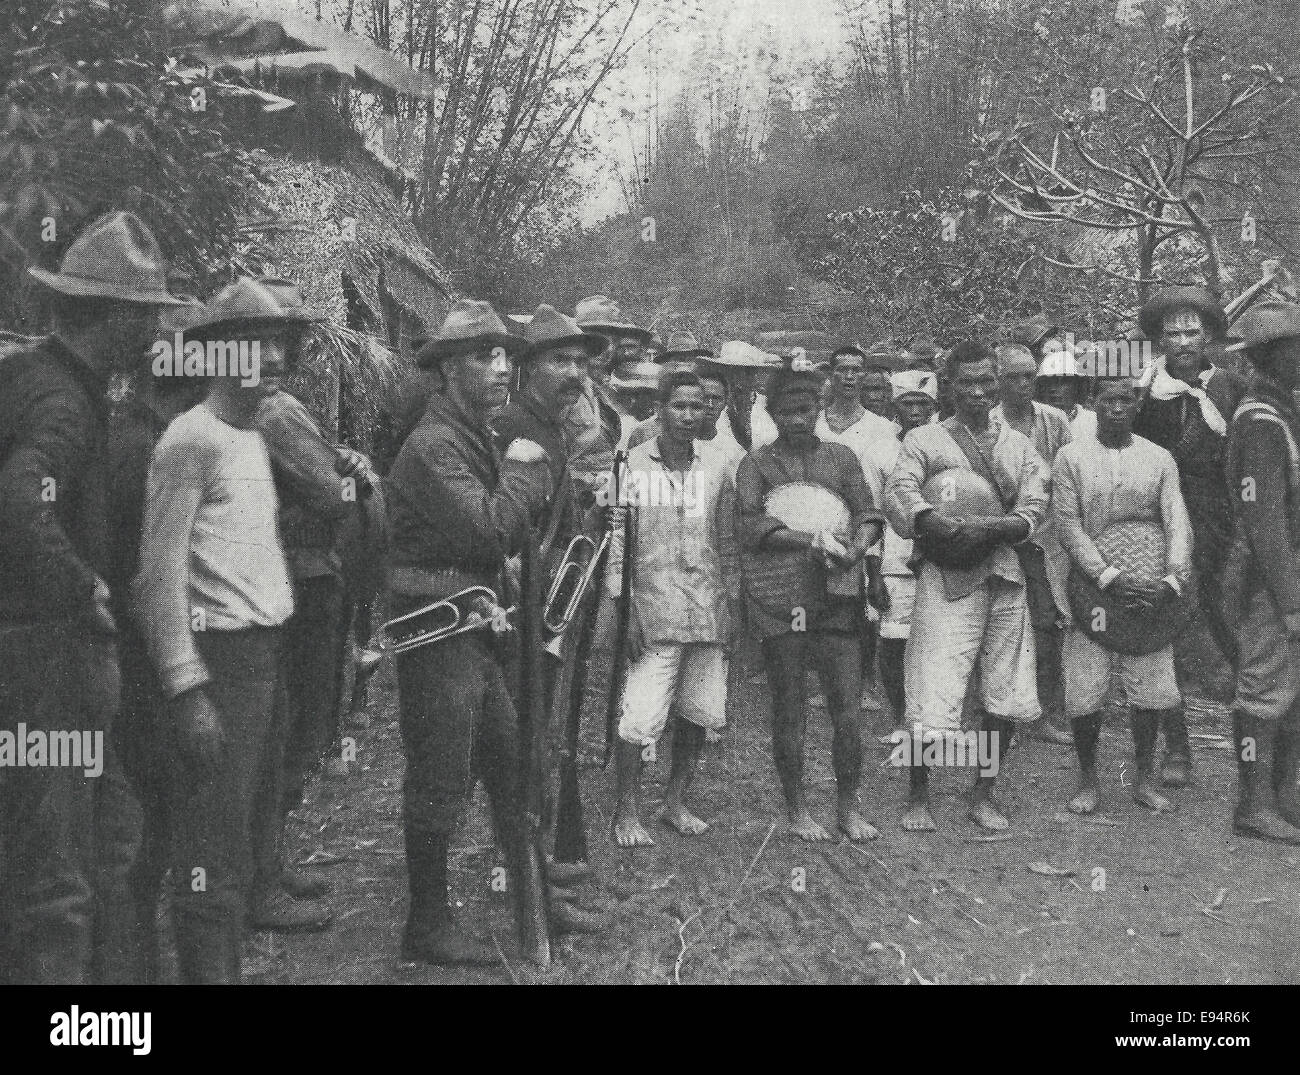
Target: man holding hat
(1189,403)
(800,623)
(458,510)
(1263,472)
(70,832)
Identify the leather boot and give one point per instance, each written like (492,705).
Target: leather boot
(207,952)
(303,886)
(279,912)
(432,935)
(1176,768)
(1286,767)
(1256,814)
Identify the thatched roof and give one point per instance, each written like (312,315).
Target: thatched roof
(339,228)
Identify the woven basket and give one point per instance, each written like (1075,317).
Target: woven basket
(1138,549)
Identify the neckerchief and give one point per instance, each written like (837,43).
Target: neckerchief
(1165,387)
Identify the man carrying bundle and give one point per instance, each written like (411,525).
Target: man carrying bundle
(1116,480)
(787,560)
(970,591)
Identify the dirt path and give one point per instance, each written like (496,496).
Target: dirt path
(905,908)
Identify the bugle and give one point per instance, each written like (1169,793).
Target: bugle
(572,579)
(471,609)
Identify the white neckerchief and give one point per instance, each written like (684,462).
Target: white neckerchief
(1163,387)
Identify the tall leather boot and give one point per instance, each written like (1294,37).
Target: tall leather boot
(1286,766)
(207,951)
(432,935)
(1146,729)
(1176,767)
(1256,814)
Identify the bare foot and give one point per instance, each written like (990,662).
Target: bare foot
(629,832)
(1085,802)
(987,816)
(683,821)
(710,736)
(803,826)
(1145,794)
(918,818)
(856,827)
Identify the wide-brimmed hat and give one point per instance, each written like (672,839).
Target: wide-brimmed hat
(470,325)
(1265,322)
(180,317)
(682,347)
(550,330)
(289,296)
(635,377)
(116,257)
(1152,316)
(599,314)
(914,383)
(737,354)
(245,308)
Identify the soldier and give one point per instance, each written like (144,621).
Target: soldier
(1264,476)
(211,596)
(69,838)
(457,511)
(318,486)
(967,614)
(558,352)
(1186,412)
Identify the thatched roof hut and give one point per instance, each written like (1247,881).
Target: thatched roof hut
(338,230)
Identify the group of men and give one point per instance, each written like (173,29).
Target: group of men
(174,612)
(951,525)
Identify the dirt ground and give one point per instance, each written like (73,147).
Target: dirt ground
(1183,900)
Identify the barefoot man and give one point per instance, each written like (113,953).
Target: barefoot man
(966,613)
(787,601)
(1119,477)
(682,500)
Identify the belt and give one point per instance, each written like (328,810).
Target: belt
(433,582)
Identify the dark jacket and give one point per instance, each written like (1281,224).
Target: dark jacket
(453,507)
(53,527)
(1266,497)
(524,418)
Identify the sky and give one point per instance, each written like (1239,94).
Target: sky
(741,36)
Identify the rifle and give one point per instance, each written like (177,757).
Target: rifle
(623,610)
(570,829)
(534,924)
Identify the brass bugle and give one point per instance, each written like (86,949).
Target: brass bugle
(560,606)
(471,609)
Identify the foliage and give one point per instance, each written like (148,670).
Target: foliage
(95,118)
